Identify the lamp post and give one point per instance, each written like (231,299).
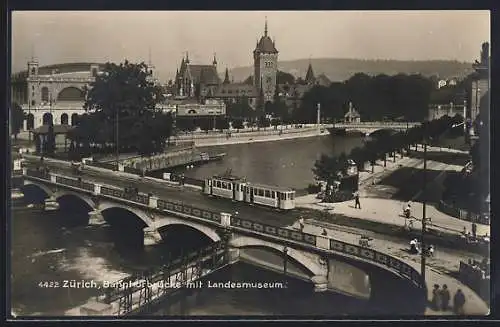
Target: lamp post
(424,202)
(285,259)
(117,140)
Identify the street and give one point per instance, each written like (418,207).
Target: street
(186,195)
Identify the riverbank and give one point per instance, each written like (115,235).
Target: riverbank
(209,140)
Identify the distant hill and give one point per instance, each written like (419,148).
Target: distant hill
(342,69)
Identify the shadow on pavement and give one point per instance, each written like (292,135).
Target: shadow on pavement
(459,159)
(409,182)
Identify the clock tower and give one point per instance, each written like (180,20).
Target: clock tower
(265,58)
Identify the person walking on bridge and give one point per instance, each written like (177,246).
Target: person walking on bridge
(445,298)
(459,302)
(474,230)
(357,204)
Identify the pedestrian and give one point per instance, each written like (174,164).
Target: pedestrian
(301,224)
(357,204)
(324,233)
(474,230)
(436,298)
(464,231)
(413,246)
(445,298)
(459,302)
(430,251)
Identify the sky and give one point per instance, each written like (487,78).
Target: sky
(100,36)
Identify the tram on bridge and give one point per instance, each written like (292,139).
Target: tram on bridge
(238,189)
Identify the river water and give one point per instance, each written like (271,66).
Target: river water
(57,247)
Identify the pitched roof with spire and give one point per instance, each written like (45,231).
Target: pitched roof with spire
(265,44)
(226,77)
(310,74)
(206,74)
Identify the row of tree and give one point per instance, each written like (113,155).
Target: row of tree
(330,168)
(376,98)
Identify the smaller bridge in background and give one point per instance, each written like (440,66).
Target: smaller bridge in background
(370,127)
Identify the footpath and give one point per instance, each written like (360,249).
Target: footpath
(474,305)
(390,211)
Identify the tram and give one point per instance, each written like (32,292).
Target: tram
(238,189)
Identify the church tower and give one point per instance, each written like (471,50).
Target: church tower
(265,58)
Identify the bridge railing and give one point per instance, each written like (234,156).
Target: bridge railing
(376,124)
(319,242)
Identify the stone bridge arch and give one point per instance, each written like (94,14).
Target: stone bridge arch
(165,221)
(142,215)
(86,199)
(307,261)
(44,188)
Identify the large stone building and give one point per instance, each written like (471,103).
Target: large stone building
(202,82)
(265,61)
(52,93)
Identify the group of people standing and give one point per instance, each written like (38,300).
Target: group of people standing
(441,299)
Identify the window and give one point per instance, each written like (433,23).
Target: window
(261,192)
(45,94)
(273,195)
(267,193)
(33,71)
(94,72)
(33,102)
(32,87)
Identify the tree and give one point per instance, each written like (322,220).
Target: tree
(126,97)
(17,119)
(358,154)
(284,78)
(326,168)
(371,153)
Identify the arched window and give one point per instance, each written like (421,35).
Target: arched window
(45,94)
(71,94)
(47,119)
(64,119)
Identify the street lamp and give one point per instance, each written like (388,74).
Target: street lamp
(116,139)
(424,202)
(285,259)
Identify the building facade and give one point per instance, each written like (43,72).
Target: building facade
(56,93)
(52,93)
(437,111)
(202,82)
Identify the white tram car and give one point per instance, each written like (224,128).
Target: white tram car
(238,189)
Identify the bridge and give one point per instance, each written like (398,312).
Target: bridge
(370,127)
(248,234)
